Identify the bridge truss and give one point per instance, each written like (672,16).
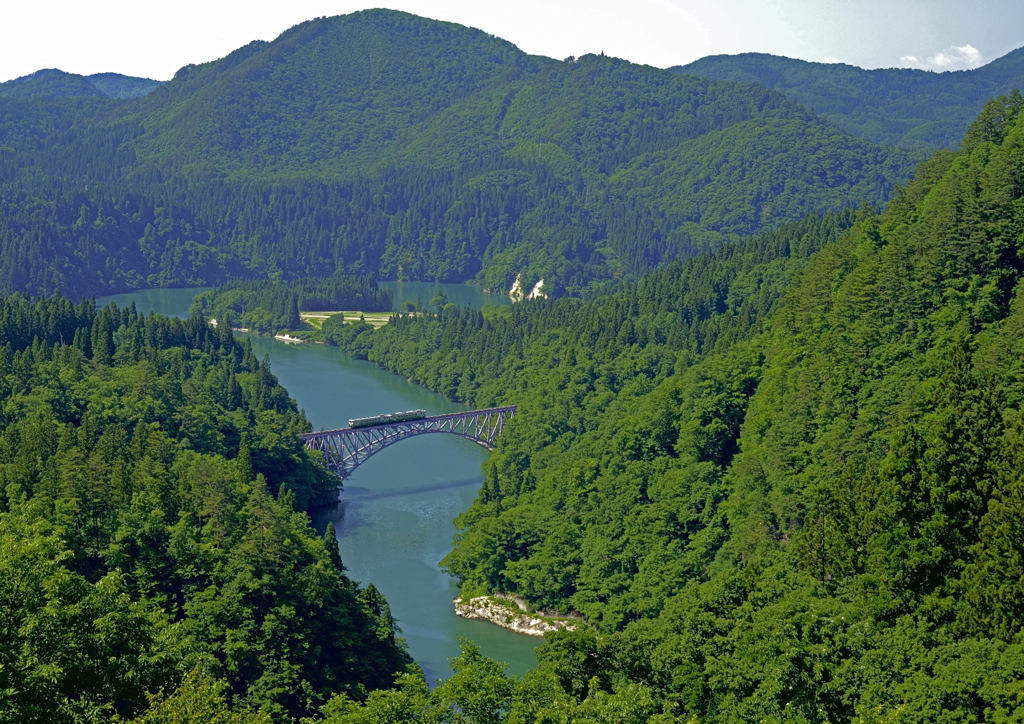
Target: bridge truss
(346,449)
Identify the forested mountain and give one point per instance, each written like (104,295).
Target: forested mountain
(144,562)
(115,85)
(51,83)
(782,480)
(772,456)
(913,109)
(382,142)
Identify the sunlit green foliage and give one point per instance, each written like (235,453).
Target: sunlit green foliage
(779,479)
(139,537)
(807,509)
(480,692)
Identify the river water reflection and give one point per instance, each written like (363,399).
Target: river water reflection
(462,294)
(394,520)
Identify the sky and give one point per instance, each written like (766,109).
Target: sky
(154,39)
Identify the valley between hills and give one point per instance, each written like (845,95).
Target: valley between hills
(767,459)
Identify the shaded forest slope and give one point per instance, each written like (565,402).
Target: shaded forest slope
(51,83)
(386,143)
(913,109)
(141,543)
(783,479)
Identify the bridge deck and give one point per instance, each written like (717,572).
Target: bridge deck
(346,448)
(449,416)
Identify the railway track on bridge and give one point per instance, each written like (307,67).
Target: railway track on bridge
(347,448)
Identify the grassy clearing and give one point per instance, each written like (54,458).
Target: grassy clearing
(374,319)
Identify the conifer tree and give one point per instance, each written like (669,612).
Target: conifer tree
(103,340)
(529,482)
(293,320)
(331,541)
(993,583)
(243,464)
(234,392)
(491,489)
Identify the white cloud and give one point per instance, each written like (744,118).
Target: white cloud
(829,59)
(957,57)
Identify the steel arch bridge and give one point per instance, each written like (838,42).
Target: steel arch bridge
(346,449)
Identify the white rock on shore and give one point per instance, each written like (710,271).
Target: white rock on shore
(506,614)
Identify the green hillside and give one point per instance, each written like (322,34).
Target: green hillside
(913,109)
(154,551)
(769,442)
(327,97)
(781,480)
(115,85)
(51,83)
(384,143)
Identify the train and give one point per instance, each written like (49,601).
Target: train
(387,419)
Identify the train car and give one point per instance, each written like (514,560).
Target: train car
(387,419)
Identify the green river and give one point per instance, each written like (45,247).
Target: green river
(394,520)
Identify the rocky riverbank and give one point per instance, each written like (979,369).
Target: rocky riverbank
(510,614)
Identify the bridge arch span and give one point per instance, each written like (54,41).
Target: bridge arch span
(346,449)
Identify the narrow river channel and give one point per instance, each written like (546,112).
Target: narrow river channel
(394,520)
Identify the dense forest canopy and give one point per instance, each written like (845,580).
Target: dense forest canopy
(384,143)
(770,437)
(266,307)
(52,83)
(151,534)
(781,480)
(904,107)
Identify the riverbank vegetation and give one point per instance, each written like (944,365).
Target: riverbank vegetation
(269,307)
(769,444)
(154,559)
(781,479)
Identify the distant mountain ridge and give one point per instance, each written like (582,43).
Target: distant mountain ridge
(51,83)
(913,109)
(382,142)
(116,85)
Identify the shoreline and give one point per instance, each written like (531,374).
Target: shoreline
(511,614)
